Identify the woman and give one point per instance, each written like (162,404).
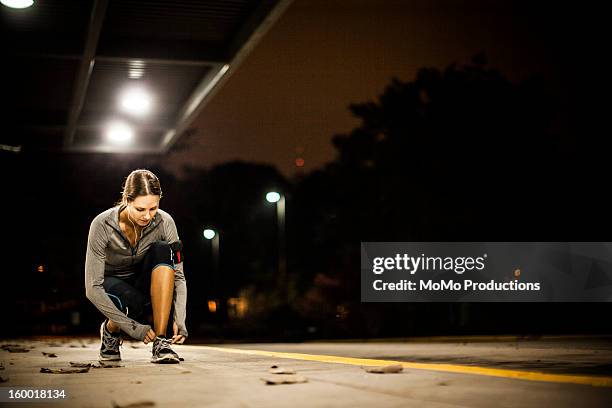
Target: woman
(134,262)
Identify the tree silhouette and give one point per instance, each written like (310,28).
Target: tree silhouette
(460,154)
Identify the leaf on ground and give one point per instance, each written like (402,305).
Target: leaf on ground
(64,370)
(106,364)
(3,379)
(138,404)
(284,379)
(49,354)
(279,370)
(8,346)
(80,365)
(389,369)
(15,349)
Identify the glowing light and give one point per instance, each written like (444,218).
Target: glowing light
(40,268)
(119,132)
(209,233)
(299,162)
(136,69)
(212,306)
(273,197)
(136,101)
(237,307)
(17,4)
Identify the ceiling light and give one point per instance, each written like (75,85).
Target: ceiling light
(135,73)
(17,4)
(136,69)
(119,132)
(136,101)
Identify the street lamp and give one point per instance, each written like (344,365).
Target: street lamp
(279,199)
(273,197)
(209,233)
(213,236)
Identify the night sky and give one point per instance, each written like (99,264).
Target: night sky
(290,95)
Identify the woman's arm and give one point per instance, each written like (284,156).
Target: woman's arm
(94,278)
(180,284)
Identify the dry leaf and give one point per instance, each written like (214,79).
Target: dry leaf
(278,370)
(106,364)
(139,404)
(396,368)
(80,365)
(16,349)
(64,370)
(284,379)
(49,354)
(3,379)
(8,346)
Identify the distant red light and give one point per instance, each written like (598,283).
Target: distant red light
(299,162)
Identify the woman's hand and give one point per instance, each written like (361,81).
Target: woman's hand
(150,336)
(177,338)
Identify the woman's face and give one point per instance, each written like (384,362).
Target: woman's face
(143,209)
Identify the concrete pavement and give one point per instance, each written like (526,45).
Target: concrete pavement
(556,372)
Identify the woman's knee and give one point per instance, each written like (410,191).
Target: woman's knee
(161,254)
(160,248)
(127,300)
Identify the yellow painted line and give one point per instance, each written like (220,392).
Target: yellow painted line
(597,381)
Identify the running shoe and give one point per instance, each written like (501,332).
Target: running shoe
(109,349)
(162,352)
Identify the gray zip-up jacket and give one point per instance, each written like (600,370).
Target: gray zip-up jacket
(109,253)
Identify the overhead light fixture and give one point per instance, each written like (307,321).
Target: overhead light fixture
(119,132)
(17,4)
(136,101)
(136,69)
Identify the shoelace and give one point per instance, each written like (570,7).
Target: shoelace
(161,344)
(111,342)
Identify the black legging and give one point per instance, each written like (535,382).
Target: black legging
(133,295)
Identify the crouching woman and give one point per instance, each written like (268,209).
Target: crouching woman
(134,268)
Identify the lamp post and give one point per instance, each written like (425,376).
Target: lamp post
(279,199)
(213,237)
